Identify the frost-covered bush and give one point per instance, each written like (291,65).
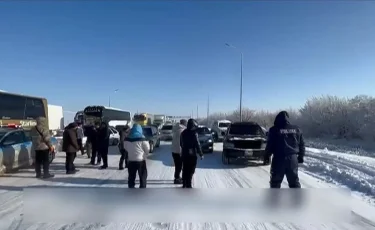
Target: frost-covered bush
(319,117)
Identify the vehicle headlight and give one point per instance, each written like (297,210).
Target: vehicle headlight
(209,141)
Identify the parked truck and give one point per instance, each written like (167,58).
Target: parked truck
(55,117)
(159,120)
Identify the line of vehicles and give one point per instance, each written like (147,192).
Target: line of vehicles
(241,140)
(19,112)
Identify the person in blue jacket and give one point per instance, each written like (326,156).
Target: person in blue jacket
(138,148)
(286,144)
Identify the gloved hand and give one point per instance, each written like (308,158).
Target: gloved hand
(300,159)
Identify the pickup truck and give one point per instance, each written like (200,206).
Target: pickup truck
(245,140)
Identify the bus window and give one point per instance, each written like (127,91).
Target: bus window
(34,108)
(12,107)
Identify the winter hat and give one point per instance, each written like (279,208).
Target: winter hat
(183,122)
(136,132)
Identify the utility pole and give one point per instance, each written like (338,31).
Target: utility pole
(208,109)
(197,112)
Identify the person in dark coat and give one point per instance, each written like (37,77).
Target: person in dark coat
(286,144)
(124,154)
(70,147)
(93,137)
(103,143)
(190,148)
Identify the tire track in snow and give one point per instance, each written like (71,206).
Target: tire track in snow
(340,170)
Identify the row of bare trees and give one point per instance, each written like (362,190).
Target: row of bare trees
(325,116)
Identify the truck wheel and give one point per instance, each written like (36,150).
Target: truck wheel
(211,150)
(115,142)
(151,147)
(158,144)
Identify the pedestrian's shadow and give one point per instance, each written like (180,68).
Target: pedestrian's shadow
(98,182)
(61,166)
(210,161)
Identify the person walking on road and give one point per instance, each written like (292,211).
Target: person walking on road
(80,136)
(138,148)
(286,144)
(103,144)
(124,154)
(190,148)
(42,145)
(176,149)
(70,147)
(95,156)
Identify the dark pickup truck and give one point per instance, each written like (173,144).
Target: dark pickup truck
(245,140)
(152,135)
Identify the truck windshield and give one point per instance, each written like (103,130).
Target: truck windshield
(245,129)
(147,132)
(167,127)
(224,125)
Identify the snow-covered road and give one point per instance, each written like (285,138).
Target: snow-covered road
(210,173)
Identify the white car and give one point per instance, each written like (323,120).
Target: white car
(114,137)
(59,138)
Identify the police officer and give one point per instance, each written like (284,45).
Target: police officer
(190,148)
(286,144)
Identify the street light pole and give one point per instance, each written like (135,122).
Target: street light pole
(241,89)
(109,98)
(229,45)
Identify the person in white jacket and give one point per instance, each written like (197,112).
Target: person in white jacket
(176,150)
(138,148)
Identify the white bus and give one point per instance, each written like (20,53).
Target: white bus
(114,117)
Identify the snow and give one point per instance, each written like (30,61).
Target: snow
(320,168)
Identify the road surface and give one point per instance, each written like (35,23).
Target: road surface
(210,173)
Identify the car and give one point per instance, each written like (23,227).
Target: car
(152,135)
(166,132)
(59,137)
(246,140)
(114,136)
(16,149)
(219,129)
(205,139)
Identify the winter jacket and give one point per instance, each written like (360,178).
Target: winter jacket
(177,130)
(285,139)
(70,144)
(136,144)
(103,138)
(40,135)
(189,140)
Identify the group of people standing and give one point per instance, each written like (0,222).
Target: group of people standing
(285,143)
(97,142)
(185,151)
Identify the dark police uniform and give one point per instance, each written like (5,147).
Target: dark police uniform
(286,144)
(190,148)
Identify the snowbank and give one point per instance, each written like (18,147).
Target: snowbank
(352,171)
